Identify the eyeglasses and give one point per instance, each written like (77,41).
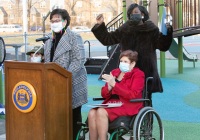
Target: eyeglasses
(56,20)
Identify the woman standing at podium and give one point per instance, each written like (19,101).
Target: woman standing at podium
(66,48)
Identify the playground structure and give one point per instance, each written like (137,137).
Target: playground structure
(186,55)
(185,19)
(183,27)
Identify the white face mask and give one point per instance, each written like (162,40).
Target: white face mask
(57,26)
(124,67)
(36,59)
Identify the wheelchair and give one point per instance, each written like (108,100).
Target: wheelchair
(146,125)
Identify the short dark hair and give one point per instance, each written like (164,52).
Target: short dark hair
(64,14)
(132,55)
(141,8)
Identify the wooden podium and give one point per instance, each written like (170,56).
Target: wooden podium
(45,114)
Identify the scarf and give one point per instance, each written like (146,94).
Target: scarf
(56,39)
(129,27)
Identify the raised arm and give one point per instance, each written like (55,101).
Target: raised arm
(164,41)
(101,33)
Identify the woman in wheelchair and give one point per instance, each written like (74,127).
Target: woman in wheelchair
(122,85)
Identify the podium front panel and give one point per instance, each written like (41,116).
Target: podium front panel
(51,117)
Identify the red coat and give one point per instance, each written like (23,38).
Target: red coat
(130,87)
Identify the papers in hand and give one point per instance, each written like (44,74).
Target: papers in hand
(108,105)
(162,26)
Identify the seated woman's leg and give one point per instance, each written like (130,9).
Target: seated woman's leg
(102,123)
(92,124)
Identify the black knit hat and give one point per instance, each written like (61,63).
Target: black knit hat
(41,51)
(141,8)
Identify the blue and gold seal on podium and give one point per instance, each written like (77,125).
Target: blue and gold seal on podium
(24,97)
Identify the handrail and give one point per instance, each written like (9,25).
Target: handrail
(113,19)
(120,22)
(87,41)
(108,61)
(115,22)
(191,28)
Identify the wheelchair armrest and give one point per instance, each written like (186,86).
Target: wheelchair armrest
(139,100)
(98,99)
(82,124)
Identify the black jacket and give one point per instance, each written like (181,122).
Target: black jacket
(144,39)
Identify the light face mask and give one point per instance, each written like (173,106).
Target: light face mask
(124,67)
(57,26)
(135,18)
(36,59)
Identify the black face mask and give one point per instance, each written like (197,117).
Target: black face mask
(135,18)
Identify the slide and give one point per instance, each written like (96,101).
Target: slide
(186,55)
(166,18)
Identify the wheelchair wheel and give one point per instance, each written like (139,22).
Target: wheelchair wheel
(148,125)
(81,134)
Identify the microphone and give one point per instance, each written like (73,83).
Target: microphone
(37,50)
(33,58)
(44,39)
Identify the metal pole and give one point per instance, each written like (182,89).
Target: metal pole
(89,47)
(43,26)
(198,12)
(25,24)
(2,101)
(26,42)
(145,3)
(180,39)
(25,21)
(2,91)
(162,54)
(124,11)
(195,11)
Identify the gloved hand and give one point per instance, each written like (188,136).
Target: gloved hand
(100,19)
(169,28)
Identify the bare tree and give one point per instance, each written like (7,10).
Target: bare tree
(30,5)
(18,12)
(112,7)
(71,4)
(71,8)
